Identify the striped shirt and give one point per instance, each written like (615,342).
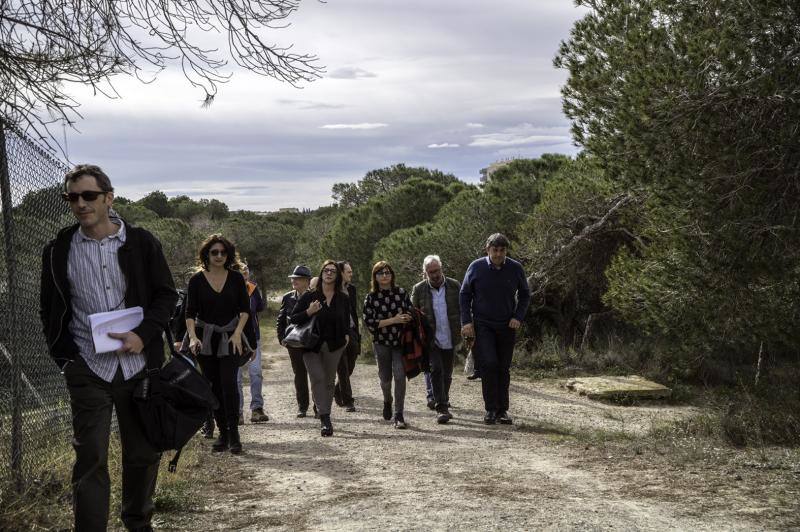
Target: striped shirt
(96,284)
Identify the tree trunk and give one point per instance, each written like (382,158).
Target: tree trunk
(762,367)
(587,332)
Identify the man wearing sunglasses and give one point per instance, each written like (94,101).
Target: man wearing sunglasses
(97,265)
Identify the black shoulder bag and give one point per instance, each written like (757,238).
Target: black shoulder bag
(173,401)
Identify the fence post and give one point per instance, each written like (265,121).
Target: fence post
(11,322)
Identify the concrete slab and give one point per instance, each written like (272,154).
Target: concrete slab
(616,387)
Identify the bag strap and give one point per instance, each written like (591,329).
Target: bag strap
(173,464)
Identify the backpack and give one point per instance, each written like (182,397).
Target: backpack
(173,402)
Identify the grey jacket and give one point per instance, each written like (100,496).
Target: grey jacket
(421,298)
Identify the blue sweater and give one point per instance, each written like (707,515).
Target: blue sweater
(493,296)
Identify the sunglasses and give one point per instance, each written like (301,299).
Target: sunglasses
(384,273)
(87,195)
(329,270)
(218,252)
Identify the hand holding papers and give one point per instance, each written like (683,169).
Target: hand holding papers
(116,321)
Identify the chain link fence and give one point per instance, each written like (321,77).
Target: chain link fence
(34,405)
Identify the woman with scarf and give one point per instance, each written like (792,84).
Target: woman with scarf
(217,310)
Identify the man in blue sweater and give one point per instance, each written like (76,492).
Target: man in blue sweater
(494,298)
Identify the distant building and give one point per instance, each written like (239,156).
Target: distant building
(486,173)
(289,209)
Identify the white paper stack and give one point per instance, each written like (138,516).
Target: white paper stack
(116,321)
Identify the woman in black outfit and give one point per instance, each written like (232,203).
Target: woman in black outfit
(217,308)
(328,301)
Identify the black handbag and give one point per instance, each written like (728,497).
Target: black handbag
(173,402)
(302,336)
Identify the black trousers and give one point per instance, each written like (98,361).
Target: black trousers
(92,400)
(343,392)
(441,375)
(300,377)
(494,348)
(221,372)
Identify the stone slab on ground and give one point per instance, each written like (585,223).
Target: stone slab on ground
(621,386)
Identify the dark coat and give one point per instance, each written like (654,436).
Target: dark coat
(422,299)
(149,285)
(341,307)
(288,301)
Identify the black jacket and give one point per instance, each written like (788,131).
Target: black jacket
(341,307)
(149,285)
(351,293)
(288,301)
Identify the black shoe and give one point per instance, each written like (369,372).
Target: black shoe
(490,418)
(350,408)
(475,375)
(399,422)
(443,416)
(235,442)
(387,410)
(258,416)
(431,404)
(327,426)
(503,419)
(301,413)
(222,442)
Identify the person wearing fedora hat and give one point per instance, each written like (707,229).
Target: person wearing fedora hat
(300,278)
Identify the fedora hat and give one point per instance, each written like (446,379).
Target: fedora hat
(301,271)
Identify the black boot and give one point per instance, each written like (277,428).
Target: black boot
(236,443)
(327,427)
(221,444)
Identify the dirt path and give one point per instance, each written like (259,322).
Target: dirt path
(466,475)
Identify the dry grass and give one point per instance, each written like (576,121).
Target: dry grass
(44,503)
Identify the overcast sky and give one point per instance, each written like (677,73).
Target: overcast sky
(447,84)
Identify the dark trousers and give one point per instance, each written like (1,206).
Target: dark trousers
(221,372)
(441,375)
(300,377)
(494,348)
(92,400)
(343,393)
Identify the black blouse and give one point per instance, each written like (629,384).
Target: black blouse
(333,320)
(219,308)
(385,304)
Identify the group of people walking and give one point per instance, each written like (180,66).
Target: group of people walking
(102,264)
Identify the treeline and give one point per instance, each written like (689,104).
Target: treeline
(676,226)
(675,230)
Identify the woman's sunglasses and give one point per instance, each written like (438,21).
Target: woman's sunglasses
(383,273)
(87,195)
(218,252)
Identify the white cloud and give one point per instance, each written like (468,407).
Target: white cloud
(363,125)
(443,145)
(351,73)
(524,134)
(495,140)
(474,125)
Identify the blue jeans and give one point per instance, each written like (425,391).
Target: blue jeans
(254,369)
(428,386)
